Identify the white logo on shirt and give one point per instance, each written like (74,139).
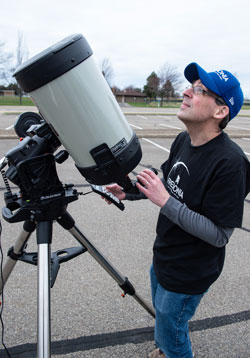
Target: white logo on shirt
(173,185)
(177,179)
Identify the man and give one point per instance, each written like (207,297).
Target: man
(201,197)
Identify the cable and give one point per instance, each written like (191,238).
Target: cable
(88,192)
(2,295)
(6,182)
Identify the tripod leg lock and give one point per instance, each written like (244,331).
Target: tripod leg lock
(13,255)
(127,287)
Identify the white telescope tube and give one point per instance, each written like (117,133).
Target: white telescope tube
(76,101)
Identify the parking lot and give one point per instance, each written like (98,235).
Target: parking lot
(145,121)
(89,318)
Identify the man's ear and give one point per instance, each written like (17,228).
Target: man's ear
(221,112)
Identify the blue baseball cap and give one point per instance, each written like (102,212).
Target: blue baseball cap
(222,82)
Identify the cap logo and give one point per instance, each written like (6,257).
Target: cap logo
(222,75)
(231,100)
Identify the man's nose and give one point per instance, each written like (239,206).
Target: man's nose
(188,92)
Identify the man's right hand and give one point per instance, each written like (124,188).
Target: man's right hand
(116,190)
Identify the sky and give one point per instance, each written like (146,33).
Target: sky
(138,36)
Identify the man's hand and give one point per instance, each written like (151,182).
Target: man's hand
(116,190)
(152,187)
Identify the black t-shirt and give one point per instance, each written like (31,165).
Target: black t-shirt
(212,180)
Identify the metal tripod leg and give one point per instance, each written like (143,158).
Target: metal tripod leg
(68,223)
(16,251)
(44,239)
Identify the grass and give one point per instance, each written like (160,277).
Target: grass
(155,104)
(14,101)
(26,101)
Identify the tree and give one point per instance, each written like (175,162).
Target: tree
(21,55)
(107,70)
(132,89)
(152,86)
(170,81)
(5,64)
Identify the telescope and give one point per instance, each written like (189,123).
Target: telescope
(78,110)
(74,99)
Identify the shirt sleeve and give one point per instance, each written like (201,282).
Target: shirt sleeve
(196,224)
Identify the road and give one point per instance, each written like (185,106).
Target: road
(89,318)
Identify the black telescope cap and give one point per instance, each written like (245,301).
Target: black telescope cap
(52,62)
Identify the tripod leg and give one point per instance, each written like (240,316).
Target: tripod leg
(44,239)
(68,223)
(16,251)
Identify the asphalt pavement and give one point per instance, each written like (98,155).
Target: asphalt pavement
(89,318)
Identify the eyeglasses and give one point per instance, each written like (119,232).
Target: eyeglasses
(200,90)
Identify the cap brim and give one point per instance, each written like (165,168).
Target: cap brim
(193,72)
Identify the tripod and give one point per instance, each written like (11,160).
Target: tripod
(39,216)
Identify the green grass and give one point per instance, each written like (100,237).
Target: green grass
(26,101)
(14,101)
(155,104)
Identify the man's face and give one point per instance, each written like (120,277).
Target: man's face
(196,107)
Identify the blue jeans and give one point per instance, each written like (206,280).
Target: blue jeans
(173,311)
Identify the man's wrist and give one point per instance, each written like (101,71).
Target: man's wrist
(164,201)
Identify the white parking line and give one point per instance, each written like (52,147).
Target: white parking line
(132,125)
(165,117)
(157,145)
(167,150)
(246,152)
(143,117)
(9,127)
(247,129)
(167,125)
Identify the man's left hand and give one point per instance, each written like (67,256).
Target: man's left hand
(152,187)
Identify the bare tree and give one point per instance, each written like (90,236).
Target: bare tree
(107,70)
(132,88)
(21,56)
(22,52)
(5,64)
(170,81)
(7,67)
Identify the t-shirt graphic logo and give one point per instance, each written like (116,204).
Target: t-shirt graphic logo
(177,179)
(178,171)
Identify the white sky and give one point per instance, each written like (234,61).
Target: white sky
(139,36)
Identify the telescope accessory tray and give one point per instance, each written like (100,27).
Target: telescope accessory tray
(57,258)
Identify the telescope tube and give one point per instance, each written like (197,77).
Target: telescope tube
(74,98)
